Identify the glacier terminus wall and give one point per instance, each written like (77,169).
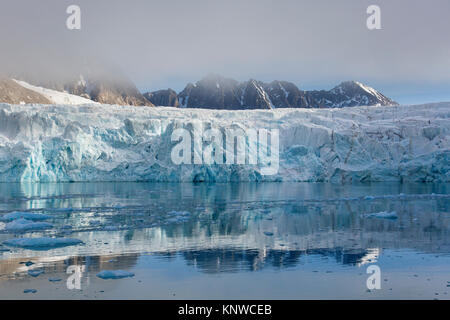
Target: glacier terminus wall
(63,143)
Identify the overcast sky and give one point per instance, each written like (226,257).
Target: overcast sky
(167,43)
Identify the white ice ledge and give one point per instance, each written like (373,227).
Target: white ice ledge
(118,143)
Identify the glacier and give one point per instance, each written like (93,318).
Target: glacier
(95,142)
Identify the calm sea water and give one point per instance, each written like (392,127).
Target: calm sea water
(230,241)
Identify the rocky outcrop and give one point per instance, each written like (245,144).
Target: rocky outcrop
(254,96)
(168,98)
(285,94)
(11,92)
(104,87)
(212,92)
(351,94)
(108,91)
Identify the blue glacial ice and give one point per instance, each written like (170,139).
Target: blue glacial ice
(24,215)
(35,273)
(114,274)
(47,143)
(23,225)
(383,215)
(44,243)
(29,291)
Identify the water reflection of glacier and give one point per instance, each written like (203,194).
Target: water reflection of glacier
(233,227)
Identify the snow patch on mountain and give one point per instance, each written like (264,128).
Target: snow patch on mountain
(57,97)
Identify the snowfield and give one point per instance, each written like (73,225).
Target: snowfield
(49,143)
(56,97)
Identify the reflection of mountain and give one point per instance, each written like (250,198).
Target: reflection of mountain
(207,261)
(91,265)
(230,260)
(229,228)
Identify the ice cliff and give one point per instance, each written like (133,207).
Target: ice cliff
(49,143)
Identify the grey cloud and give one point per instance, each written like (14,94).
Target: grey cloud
(169,42)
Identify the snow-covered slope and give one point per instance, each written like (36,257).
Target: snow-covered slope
(117,143)
(56,97)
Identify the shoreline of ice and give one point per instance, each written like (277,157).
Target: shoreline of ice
(62,143)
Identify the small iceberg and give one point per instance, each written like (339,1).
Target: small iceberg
(111,228)
(383,215)
(54,279)
(24,215)
(44,243)
(178,216)
(21,225)
(29,291)
(114,274)
(35,273)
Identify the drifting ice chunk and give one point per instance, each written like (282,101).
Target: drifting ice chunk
(21,225)
(114,274)
(43,243)
(178,216)
(35,273)
(24,215)
(383,215)
(29,291)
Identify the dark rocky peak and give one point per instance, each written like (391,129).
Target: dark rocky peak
(284,94)
(213,92)
(254,96)
(350,94)
(167,97)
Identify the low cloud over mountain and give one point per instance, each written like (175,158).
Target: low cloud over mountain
(211,92)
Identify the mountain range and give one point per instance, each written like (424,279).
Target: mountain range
(211,92)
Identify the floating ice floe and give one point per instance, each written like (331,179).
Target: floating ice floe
(383,215)
(43,243)
(35,273)
(178,216)
(24,215)
(114,274)
(29,291)
(110,228)
(22,225)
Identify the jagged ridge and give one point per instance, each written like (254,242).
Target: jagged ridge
(217,92)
